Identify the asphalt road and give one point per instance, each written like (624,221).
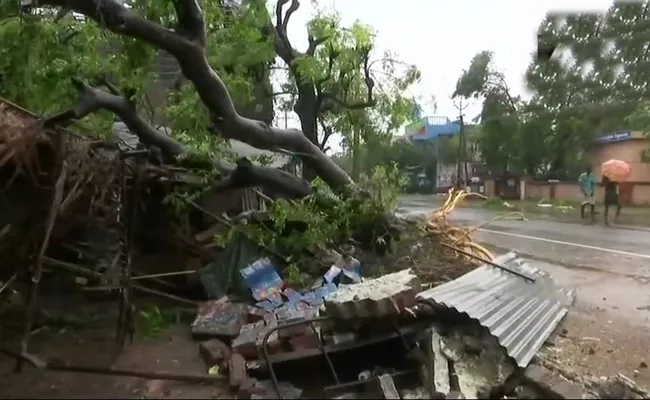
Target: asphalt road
(620,251)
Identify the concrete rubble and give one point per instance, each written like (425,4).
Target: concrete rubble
(427,350)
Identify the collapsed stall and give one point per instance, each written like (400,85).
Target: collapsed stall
(80,202)
(89,209)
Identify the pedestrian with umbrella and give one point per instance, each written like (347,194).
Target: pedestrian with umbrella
(614,171)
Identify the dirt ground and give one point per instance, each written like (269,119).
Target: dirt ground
(600,345)
(171,350)
(588,341)
(606,332)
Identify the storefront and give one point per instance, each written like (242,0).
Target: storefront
(628,146)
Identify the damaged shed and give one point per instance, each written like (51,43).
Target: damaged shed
(519,304)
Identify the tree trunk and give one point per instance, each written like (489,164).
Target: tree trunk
(306,110)
(356,155)
(244,174)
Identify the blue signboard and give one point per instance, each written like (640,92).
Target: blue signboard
(614,137)
(430,128)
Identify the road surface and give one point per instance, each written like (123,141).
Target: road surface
(620,251)
(608,328)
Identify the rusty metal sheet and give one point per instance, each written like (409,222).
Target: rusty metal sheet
(521,314)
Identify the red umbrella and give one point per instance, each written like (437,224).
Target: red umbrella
(616,170)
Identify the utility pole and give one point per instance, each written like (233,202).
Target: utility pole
(461,166)
(286,119)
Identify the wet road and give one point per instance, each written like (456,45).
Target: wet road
(620,251)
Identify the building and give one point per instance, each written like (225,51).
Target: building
(437,129)
(631,147)
(431,128)
(626,145)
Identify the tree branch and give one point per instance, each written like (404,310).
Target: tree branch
(331,57)
(112,15)
(327,132)
(370,101)
(209,86)
(92,99)
(190,21)
(313,44)
(245,174)
(283,44)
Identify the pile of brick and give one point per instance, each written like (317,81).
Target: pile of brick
(233,334)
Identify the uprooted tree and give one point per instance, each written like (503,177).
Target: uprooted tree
(90,186)
(337,84)
(117,84)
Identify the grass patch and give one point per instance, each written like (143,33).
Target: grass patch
(153,320)
(494,203)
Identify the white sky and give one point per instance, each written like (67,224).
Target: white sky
(441,37)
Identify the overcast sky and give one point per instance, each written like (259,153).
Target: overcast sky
(441,37)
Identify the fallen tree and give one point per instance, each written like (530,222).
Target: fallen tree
(86,189)
(186,42)
(243,174)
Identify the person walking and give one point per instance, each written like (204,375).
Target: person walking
(611,198)
(588,186)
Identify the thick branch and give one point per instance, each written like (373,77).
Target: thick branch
(284,48)
(119,19)
(245,174)
(327,132)
(190,21)
(330,99)
(283,44)
(313,44)
(93,99)
(209,86)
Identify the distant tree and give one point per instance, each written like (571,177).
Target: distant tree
(335,80)
(500,114)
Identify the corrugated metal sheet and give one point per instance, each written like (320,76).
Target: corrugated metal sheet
(521,314)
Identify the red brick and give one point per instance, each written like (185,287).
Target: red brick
(237,370)
(155,389)
(302,342)
(214,352)
(246,343)
(256,314)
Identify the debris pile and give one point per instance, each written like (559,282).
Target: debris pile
(471,335)
(462,339)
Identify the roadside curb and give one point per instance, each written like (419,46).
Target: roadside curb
(533,216)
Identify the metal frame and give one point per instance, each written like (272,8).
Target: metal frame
(321,346)
(324,352)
